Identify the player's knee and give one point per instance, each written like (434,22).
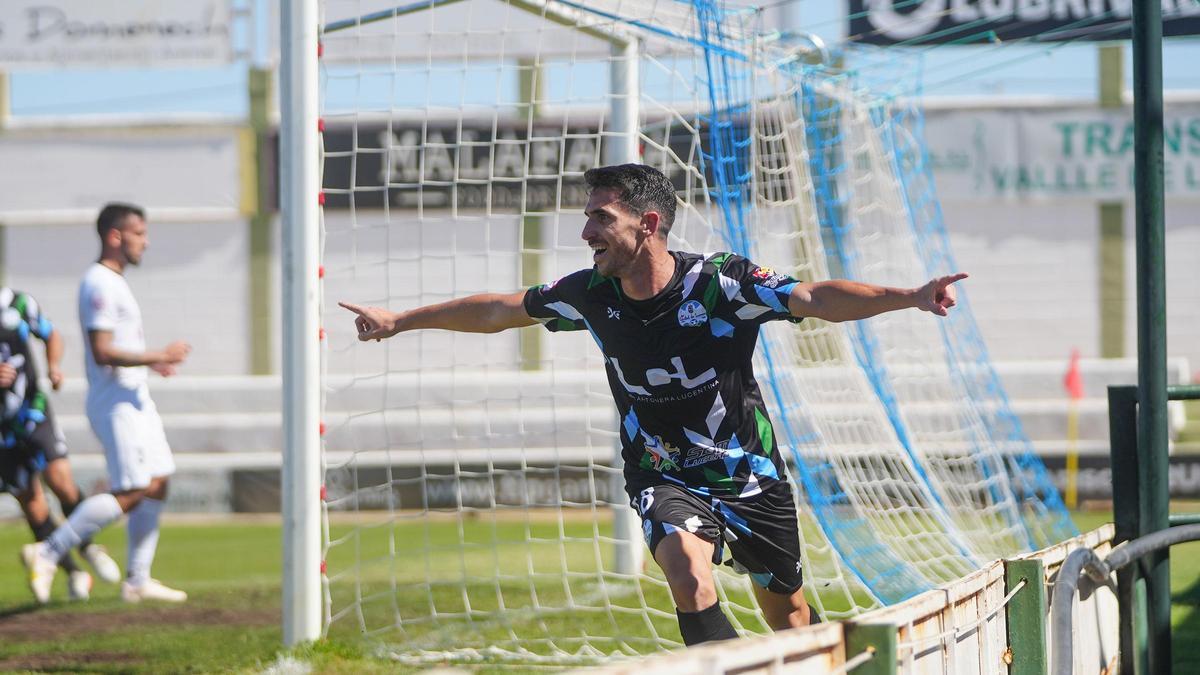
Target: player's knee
(158,488)
(127,499)
(691,586)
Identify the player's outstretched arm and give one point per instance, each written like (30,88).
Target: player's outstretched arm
(842,300)
(54,354)
(163,360)
(483,313)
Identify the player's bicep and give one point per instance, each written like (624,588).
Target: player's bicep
(100,342)
(763,294)
(508,311)
(556,305)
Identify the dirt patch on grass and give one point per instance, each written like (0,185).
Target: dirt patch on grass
(39,625)
(52,662)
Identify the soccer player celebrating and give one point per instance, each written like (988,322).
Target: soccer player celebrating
(678,331)
(121,414)
(30,442)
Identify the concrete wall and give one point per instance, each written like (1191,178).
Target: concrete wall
(1034,283)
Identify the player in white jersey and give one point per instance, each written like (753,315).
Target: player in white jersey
(121,414)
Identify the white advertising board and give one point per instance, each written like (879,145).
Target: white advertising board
(1042,154)
(114,33)
(65,175)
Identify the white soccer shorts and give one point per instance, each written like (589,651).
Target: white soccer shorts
(135,445)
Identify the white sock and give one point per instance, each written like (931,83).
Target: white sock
(143,539)
(92,515)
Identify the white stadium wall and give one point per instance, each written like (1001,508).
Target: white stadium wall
(1020,185)
(1033,256)
(1035,276)
(193,283)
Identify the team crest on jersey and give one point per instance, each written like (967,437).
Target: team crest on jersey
(692,314)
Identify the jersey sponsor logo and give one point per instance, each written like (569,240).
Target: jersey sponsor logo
(692,314)
(698,455)
(657,377)
(664,455)
(613,313)
(767,277)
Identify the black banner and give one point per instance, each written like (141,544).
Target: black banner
(890,22)
(443,165)
(500,167)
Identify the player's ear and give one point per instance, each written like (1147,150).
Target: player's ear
(650,222)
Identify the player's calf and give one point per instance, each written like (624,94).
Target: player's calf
(707,625)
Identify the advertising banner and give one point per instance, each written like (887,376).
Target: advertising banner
(114,33)
(1054,153)
(891,22)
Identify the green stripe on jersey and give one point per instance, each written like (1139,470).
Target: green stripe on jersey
(766,436)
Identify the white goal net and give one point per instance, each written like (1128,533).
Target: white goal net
(473,492)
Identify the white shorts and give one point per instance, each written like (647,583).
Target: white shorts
(135,445)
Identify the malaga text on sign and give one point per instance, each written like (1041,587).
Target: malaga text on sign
(494,167)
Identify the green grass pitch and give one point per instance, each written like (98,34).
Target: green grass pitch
(232,622)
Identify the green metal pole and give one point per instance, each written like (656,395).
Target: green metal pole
(262,338)
(1151,317)
(1112,219)
(1026,617)
(878,638)
(1127,509)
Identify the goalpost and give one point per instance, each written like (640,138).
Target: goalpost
(470,486)
(299,184)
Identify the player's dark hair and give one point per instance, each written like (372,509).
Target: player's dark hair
(640,188)
(113,214)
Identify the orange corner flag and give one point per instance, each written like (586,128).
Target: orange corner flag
(1074,379)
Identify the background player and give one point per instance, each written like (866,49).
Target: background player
(678,332)
(31,441)
(121,412)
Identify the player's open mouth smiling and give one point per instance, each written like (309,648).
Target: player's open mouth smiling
(597,252)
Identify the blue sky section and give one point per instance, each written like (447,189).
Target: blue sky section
(1010,69)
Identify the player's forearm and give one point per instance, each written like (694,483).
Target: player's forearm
(843,300)
(483,313)
(123,359)
(54,351)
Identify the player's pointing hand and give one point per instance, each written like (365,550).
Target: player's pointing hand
(938,296)
(372,323)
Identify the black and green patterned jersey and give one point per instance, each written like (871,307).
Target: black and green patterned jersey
(679,366)
(24,403)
